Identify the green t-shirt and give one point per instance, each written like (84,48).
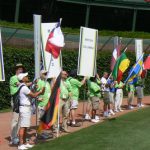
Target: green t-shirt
(13,84)
(46,95)
(65,89)
(94,89)
(140,82)
(130,88)
(119,85)
(75,85)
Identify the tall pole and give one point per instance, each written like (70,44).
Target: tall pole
(17,11)
(87,15)
(134,20)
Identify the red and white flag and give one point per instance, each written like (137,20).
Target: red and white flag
(146,64)
(115,55)
(55,41)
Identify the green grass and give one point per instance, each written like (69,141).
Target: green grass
(66,30)
(5,110)
(128,132)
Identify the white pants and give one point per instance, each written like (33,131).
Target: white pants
(118,99)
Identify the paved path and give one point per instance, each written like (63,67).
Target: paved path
(5,119)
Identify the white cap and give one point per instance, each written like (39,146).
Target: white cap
(43,71)
(21,76)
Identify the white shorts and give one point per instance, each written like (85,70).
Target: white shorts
(74,104)
(139,91)
(24,116)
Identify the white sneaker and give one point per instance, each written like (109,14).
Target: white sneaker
(97,117)
(111,112)
(116,110)
(106,114)
(94,120)
(142,105)
(87,117)
(139,105)
(120,110)
(29,145)
(22,147)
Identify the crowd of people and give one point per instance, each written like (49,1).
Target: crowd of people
(98,89)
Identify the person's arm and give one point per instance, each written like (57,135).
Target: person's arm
(34,95)
(84,80)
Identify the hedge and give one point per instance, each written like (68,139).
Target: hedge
(66,30)
(13,56)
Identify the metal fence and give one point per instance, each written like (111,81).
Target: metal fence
(24,39)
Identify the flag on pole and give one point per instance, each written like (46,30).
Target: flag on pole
(120,67)
(146,64)
(135,70)
(115,55)
(2,73)
(51,111)
(55,41)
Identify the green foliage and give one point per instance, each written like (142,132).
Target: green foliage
(66,30)
(12,56)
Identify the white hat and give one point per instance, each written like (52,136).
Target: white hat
(21,76)
(43,71)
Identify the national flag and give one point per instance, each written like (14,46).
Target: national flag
(2,73)
(135,70)
(55,41)
(146,64)
(51,111)
(115,55)
(120,67)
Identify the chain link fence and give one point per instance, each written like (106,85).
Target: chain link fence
(24,39)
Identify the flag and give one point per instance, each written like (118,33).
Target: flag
(55,41)
(120,67)
(2,73)
(146,64)
(115,55)
(135,70)
(51,111)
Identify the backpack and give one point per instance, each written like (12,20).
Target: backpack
(16,100)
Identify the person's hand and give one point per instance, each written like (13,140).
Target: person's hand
(43,90)
(40,99)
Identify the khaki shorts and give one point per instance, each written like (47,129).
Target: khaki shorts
(111,96)
(106,97)
(95,103)
(139,91)
(24,116)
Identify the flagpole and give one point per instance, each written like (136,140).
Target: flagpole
(134,67)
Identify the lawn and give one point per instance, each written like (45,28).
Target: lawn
(128,132)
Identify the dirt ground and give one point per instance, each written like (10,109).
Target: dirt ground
(5,119)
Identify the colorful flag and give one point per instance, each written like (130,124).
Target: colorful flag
(51,111)
(135,70)
(120,67)
(55,41)
(146,64)
(2,73)
(115,55)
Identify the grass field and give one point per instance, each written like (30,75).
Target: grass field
(128,132)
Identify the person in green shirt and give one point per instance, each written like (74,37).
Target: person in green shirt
(119,96)
(95,95)
(75,84)
(14,86)
(44,98)
(130,88)
(139,91)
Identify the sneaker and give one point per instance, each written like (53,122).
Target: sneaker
(97,117)
(130,107)
(28,145)
(75,125)
(111,112)
(142,105)
(106,114)
(14,141)
(22,147)
(116,110)
(120,110)
(139,105)
(94,120)
(87,117)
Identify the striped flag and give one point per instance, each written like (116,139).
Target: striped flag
(51,111)
(55,41)
(2,73)
(115,55)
